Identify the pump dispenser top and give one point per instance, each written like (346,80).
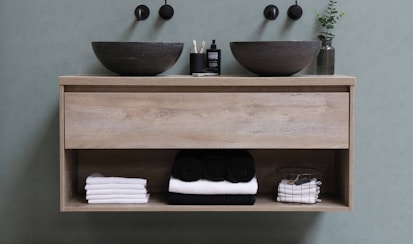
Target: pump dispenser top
(213,45)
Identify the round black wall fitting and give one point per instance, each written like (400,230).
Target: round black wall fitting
(271,12)
(166,11)
(295,11)
(142,12)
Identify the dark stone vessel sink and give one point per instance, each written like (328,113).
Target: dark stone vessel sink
(138,58)
(275,58)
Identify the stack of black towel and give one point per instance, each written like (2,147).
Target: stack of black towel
(213,177)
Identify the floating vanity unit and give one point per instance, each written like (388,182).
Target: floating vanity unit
(134,126)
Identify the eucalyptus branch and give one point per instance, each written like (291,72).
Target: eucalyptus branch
(328,20)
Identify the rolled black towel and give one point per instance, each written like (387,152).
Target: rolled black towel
(187,166)
(241,167)
(215,165)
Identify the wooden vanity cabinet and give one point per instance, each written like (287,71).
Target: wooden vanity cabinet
(134,126)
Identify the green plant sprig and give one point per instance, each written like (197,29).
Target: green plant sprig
(328,20)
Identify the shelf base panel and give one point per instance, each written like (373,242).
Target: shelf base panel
(158,203)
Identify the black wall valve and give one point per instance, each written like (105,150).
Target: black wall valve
(271,12)
(142,12)
(166,11)
(295,12)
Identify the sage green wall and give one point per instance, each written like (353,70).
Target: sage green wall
(42,39)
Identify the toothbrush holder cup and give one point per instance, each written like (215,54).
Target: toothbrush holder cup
(197,63)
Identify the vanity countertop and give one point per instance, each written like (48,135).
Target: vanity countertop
(187,80)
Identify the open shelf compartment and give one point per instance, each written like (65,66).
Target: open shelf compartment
(155,165)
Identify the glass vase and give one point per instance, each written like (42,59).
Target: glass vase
(325,58)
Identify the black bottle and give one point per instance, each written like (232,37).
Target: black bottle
(214,59)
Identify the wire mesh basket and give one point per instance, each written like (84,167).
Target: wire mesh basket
(298,185)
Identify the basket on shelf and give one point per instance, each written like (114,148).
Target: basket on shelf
(298,185)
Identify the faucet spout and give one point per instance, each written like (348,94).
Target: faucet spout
(271,12)
(142,12)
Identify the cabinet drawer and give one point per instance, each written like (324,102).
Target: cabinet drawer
(206,120)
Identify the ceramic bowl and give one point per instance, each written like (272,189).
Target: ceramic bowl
(138,58)
(275,58)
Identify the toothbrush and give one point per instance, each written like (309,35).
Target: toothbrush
(195,48)
(202,47)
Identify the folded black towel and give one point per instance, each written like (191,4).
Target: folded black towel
(187,166)
(241,167)
(191,199)
(215,165)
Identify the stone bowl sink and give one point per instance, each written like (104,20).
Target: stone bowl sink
(138,58)
(275,58)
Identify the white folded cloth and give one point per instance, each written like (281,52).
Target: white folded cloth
(114,186)
(297,196)
(299,192)
(206,187)
(110,196)
(115,192)
(309,200)
(312,184)
(115,200)
(97,179)
(304,193)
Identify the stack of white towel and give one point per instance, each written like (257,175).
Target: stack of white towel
(100,189)
(206,192)
(304,193)
(207,187)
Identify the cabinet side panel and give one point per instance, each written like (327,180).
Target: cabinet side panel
(344,177)
(345,159)
(351,148)
(207,120)
(61,144)
(68,160)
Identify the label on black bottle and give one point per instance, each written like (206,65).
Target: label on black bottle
(213,61)
(213,56)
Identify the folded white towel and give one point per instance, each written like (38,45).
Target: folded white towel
(298,195)
(97,179)
(117,201)
(206,187)
(110,196)
(115,192)
(312,184)
(304,193)
(114,186)
(300,191)
(309,200)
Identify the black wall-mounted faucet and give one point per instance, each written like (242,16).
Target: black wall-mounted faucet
(271,12)
(295,11)
(142,12)
(166,11)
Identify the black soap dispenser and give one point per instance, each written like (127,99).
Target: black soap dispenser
(214,59)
